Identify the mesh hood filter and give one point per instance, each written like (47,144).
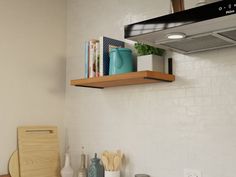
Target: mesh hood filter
(198,43)
(229,34)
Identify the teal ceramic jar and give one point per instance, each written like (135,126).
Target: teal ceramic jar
(95,168)
(120,61)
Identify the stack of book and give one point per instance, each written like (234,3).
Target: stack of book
(97,56)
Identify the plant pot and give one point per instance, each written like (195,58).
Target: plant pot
(150,62)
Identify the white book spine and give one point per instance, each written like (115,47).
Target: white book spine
(92,46)
(97,59)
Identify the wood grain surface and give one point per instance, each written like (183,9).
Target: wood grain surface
(132,78)
(5,176)
(13,165)
(38,151)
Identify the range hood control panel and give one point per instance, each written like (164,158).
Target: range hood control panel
(228,8)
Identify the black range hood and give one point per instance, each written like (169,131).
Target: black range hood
(207,27)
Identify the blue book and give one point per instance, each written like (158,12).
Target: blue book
(106,44)
(86,74)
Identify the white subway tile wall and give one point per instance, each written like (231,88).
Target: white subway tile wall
(162,128)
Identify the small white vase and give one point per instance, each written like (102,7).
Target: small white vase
(150,63)
(67,171)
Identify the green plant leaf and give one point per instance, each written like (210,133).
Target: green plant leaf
(144,49)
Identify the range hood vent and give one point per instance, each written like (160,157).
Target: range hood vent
(208,27)
(229,34)
(203,42)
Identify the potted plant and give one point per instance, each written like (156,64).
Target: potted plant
(149,57)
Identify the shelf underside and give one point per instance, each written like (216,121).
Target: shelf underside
(133,78)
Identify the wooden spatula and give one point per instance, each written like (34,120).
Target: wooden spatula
(117,163)
(105,162)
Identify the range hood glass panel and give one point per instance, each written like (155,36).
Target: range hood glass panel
(198,43)
(204,26)
(229,34)
(211,11)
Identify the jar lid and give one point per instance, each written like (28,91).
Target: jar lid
(121,49)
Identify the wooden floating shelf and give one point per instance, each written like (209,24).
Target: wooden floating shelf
(133,78)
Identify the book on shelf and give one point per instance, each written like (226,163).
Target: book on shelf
(106,44)
(97,56)
(92,58)
(97,59)
(86,65)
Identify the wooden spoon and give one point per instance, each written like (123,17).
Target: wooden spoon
(105,153)
(105,162)
(117,163)
(119,154)
(111,161)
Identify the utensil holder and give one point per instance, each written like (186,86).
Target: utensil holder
(112,173)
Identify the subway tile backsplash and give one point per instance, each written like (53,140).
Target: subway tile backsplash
(162,128)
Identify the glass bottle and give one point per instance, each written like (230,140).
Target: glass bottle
(82,169)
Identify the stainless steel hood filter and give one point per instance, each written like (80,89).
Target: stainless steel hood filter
(203,42)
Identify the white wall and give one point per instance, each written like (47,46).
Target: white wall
(162,128)
(32,67)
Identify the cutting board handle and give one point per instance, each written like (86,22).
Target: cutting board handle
(39,131)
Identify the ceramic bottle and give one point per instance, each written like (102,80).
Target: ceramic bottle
(67,171)
(95,168)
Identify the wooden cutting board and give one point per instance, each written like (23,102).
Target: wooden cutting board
(13,165)
(38,151)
